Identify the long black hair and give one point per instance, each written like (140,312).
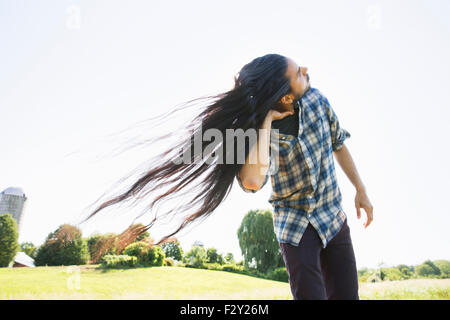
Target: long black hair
(258,87)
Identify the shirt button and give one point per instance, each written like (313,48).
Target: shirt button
(309,215)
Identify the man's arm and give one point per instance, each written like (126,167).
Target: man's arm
(253,176)
(250,177)
(345,160)
(342,154)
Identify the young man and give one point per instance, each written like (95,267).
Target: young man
(309,222)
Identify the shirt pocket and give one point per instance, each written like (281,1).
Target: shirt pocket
(313,139)
(314,131)
(293,176)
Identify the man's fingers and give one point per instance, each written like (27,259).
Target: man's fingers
(358,211)
(369,212)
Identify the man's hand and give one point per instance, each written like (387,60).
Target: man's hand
(362,201)
(277,115)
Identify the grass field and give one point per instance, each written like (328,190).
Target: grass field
(87,282)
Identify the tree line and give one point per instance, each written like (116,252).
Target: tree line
(257,241)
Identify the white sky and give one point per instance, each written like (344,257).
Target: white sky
(72,72)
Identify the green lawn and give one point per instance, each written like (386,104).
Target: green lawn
(180,283)
(413,289)
(139,283)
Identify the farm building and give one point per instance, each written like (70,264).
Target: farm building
(22,260)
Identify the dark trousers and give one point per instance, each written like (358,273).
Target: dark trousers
(317,273)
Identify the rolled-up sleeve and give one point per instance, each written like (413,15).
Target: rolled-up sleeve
(251,190)
(338,134)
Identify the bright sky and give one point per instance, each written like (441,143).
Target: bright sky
(73,72)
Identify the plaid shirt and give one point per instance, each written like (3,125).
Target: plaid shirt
(304,188)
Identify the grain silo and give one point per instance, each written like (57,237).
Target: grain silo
(12,200)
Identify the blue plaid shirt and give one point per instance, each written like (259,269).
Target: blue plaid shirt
(304,188)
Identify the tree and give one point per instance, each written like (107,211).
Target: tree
(428,269)
(130,235)
(173,249)
(220,259)
(444,266)
(100,245)
(146,253)
(65,246)
(424,270)
(213,257)
(393,274)
(196,257)
(9,237)
(405,269)
(229,258)
(436,270)
(156,256)
(144,235)
(29,249)
(258,241)
(138,249)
